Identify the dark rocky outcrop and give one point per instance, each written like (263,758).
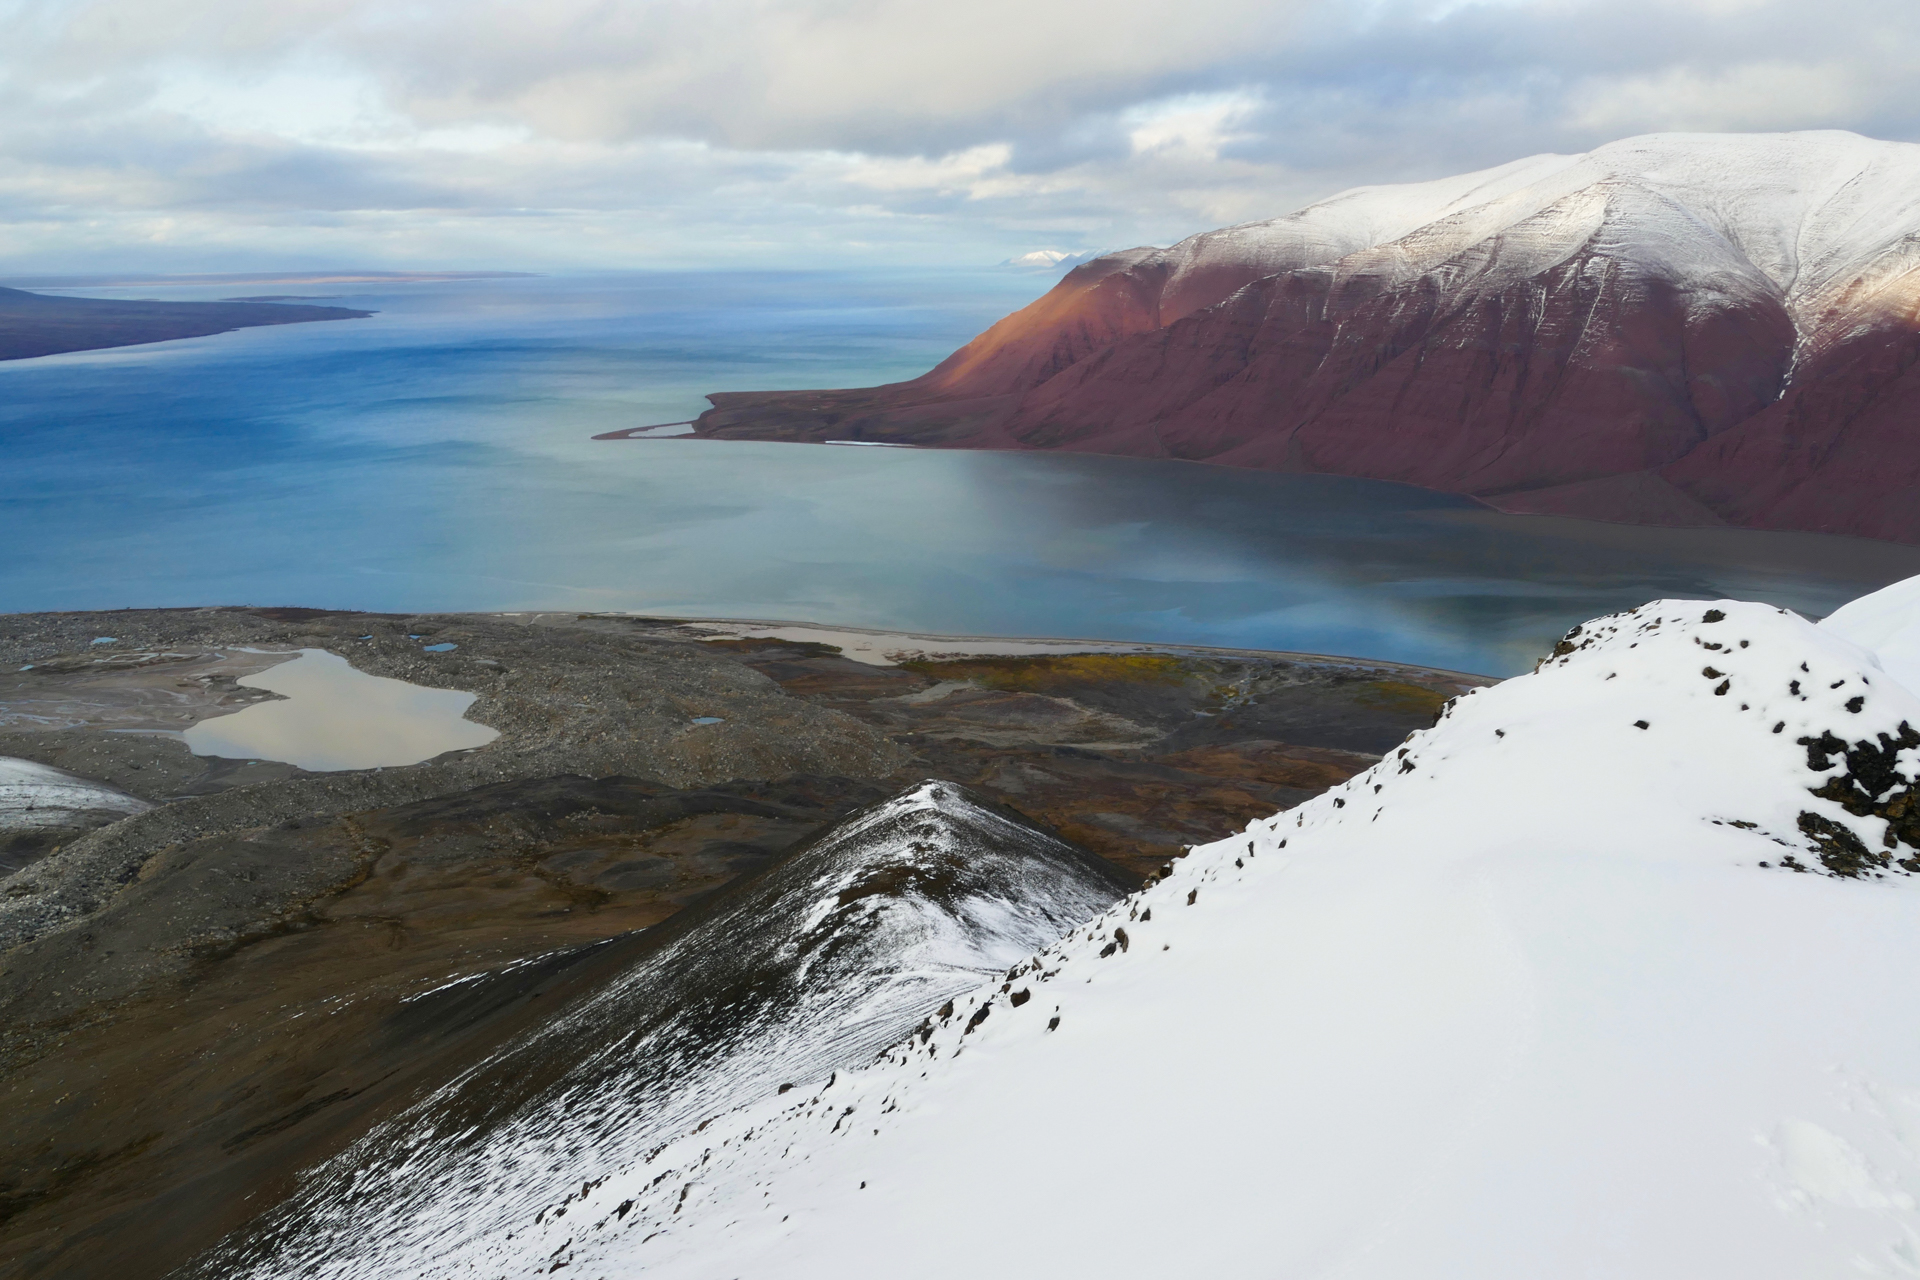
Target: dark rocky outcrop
(1870,785)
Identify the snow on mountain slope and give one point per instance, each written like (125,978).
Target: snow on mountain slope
(815,964)
(1887,622)
(1677,328)
(1205,268)
(1585,980)
(1807,212)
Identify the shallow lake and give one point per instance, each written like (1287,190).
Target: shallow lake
(438,457)
(331,715)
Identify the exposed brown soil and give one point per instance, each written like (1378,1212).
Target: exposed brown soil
(163,1114)
(199,1001)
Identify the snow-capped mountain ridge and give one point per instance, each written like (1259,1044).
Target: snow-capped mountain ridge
(1827,223)
(1547,989)
(818,962)
(1806,212)
(1681,329)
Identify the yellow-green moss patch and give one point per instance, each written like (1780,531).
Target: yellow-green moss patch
(1403,696)
(1053,671)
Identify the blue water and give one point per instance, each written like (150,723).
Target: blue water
(437,457)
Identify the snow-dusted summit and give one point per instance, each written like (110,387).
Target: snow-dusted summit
(1816,219)
(1611,973)
(1047,259)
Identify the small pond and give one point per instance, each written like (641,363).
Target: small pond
(331,716)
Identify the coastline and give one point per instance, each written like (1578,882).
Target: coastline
(36,324)
(865,644)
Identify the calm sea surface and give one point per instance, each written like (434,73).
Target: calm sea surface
(437,457)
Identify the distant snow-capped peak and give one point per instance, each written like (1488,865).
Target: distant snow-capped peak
(1813,214)
(1049,259)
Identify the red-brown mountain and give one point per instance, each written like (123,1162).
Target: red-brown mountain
(1672,329)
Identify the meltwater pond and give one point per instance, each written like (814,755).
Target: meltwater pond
(438,456)
(331,716)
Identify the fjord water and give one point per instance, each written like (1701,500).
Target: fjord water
(438,457)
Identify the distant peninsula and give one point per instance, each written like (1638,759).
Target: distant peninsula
(37,324)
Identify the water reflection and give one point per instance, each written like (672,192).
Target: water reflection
(1334,565)
(337,717)
(439,457)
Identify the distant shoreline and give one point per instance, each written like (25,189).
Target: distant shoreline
(238,278)
(870,645)
(874,646)
(38,324)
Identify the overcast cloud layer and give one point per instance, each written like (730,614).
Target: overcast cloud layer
(234,134)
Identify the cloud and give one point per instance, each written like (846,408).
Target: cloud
(649,132)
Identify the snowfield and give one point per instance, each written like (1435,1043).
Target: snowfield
(1584,981)
(1887,622)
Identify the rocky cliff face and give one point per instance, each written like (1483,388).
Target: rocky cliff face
(1675,329)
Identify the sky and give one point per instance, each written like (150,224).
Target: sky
(212,135)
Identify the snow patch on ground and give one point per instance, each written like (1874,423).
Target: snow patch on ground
(36,796)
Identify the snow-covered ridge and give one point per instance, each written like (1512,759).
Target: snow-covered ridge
(1887,622)
(820,961)
(1827,222)
(1610,972)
